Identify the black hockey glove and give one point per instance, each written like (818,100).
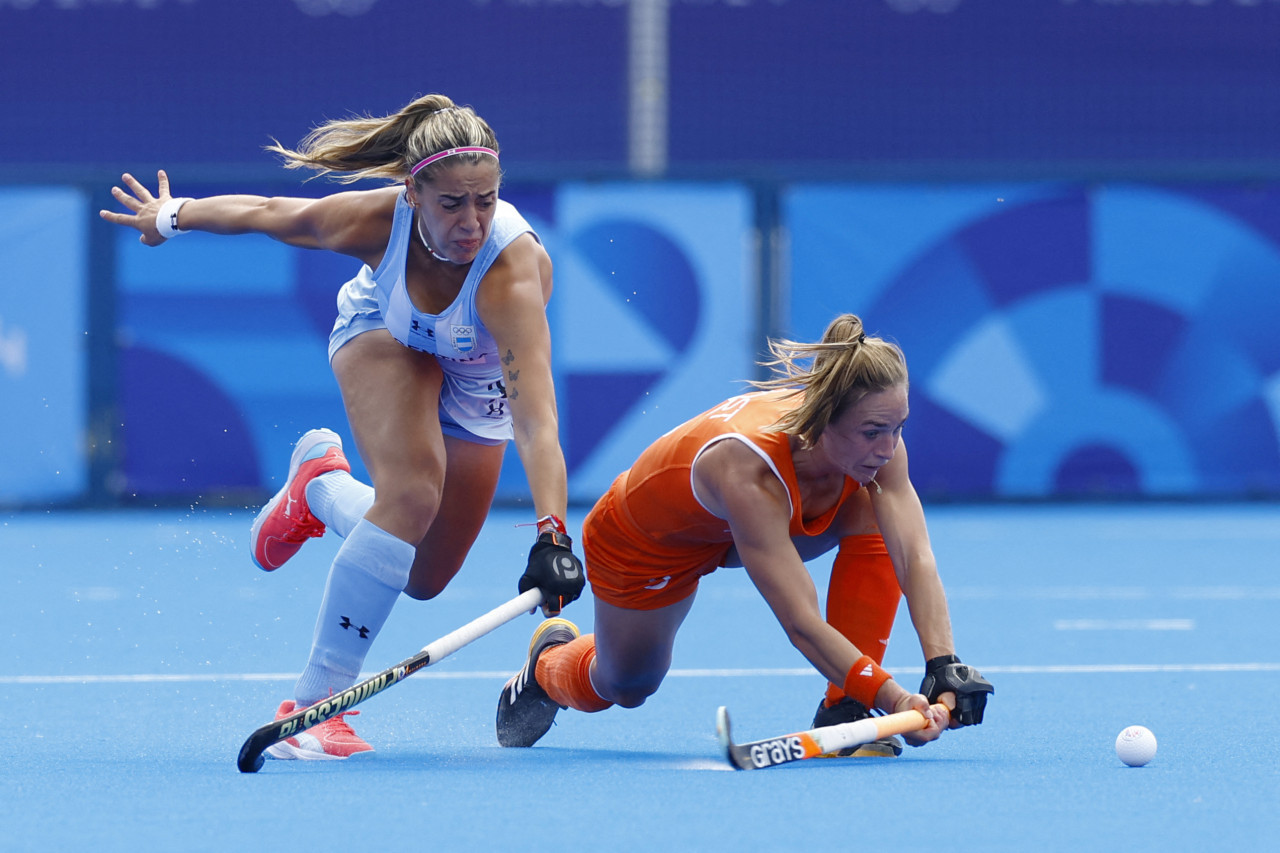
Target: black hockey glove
(945,674)
(555,570)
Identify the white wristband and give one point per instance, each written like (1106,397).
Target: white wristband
(167,218)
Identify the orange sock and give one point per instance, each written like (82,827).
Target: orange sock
(565,673)
(862,599)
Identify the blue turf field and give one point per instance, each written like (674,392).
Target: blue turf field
(143,647)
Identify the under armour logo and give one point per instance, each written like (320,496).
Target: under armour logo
(347,623)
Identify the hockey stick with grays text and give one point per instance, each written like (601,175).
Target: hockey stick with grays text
(798,746)
(250,760)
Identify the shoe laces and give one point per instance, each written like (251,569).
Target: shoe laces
(304,526)
(341,725)
(303,530)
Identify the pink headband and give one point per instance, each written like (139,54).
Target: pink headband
(473,149)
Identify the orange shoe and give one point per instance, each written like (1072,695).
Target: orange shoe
(285,523)
(332,739)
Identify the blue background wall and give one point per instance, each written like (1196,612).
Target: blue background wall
(998,86)
(1064,339)
(1067,212)
(43,388)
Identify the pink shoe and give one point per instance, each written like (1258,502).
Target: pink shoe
(285,523)
(332,739)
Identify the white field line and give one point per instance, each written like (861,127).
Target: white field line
(1039,669)
(1124,625)
(1113,593)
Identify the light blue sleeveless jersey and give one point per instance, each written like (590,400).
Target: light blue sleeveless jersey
(473,395)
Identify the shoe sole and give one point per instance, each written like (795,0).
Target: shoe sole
(877,749)
(288,752)
(309,441)
(547,627)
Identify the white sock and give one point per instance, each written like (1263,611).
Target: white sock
(367,576)
(339,500)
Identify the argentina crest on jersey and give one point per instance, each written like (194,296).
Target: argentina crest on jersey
(463,338)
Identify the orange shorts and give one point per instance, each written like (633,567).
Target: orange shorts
(628,569)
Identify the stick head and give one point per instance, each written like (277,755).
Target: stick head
(723,734)
(251,758)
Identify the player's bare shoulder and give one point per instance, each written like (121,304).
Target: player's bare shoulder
(356,222)
(729,474)
(524,262)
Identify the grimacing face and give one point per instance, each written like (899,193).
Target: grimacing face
(866,436)
(456,207)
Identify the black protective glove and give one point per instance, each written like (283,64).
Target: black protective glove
(555,570)
(945,674)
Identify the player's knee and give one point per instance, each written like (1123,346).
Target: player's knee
(423,591)
(412,502)
(630,692)
(632,698)
(421,498)
(429,578)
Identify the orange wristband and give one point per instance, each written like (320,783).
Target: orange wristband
(864,681)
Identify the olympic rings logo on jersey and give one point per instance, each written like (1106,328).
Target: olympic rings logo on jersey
(463,338)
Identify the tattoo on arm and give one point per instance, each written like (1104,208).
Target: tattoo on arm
(512,376)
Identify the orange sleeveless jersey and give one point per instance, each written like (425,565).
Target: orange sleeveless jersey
(649,540)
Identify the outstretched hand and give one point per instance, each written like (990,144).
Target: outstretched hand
(143,207)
